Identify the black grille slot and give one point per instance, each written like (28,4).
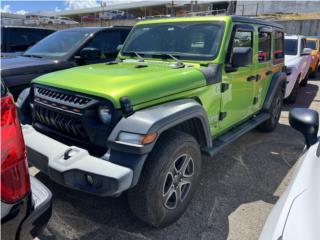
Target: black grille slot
(62,123)
(65,97)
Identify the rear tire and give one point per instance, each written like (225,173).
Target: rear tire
(275,112)
(294,93)
(168,181)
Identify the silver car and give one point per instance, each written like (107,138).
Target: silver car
(297,213)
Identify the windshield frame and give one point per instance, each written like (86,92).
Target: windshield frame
(188,57)
(285,46)
(69,54)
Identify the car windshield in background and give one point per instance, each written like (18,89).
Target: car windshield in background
(312,44)
(57,45)
(184,40)
(291,47)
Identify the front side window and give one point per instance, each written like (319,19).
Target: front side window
(264,47)
(242,39)
(184,40)
(107,43)
(291,47)
(58,44)
(312,44)
(303,45)
(278,52)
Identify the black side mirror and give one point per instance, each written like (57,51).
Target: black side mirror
(90,53)
(305,121)
(241,56)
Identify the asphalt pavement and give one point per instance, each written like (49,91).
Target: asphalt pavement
(239,186)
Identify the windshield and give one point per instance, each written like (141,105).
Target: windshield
(184,40)
(312,44)
(291,46)
(58,44)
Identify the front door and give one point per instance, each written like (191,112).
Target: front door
(237,100)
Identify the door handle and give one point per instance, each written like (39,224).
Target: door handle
(252,78)
(258,77)
(269,72)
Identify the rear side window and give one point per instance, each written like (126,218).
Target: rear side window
(20,39)
(264,46)
(107,43)
(278,53)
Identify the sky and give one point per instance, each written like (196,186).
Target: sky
(26,6)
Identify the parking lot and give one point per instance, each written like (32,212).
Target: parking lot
(239,186)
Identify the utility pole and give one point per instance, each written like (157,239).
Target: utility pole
(172,8)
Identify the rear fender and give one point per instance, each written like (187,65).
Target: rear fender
(279,80)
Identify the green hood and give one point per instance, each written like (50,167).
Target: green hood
(143,84)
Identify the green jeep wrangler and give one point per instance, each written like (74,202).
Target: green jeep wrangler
(180,88)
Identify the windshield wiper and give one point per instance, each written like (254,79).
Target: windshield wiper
(31,55)
(141,59)
(179,62)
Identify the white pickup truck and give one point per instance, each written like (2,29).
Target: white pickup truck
(297,61)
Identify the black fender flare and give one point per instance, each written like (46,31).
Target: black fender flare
(154,119)
(23,106)
(279,80)
(158,119)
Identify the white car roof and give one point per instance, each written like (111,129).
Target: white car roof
(294,36)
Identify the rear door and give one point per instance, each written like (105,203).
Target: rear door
(237,101)
(263,66)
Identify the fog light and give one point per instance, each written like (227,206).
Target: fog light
(89,179)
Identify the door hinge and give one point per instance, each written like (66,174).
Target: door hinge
(224,87)
(222,115)
(255,100)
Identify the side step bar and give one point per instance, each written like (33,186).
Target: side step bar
(232,135)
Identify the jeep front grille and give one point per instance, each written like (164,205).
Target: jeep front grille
(51,94)
(60,122)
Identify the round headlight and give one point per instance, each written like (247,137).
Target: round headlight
(105,114)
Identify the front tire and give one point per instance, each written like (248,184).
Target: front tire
(294,93)
(313,74)
(168,180)
(304,82)
(275,112)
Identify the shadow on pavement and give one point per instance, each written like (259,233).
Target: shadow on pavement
(249,170)
(305,97)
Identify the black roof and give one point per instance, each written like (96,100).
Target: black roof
(255,21)
(96,29)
